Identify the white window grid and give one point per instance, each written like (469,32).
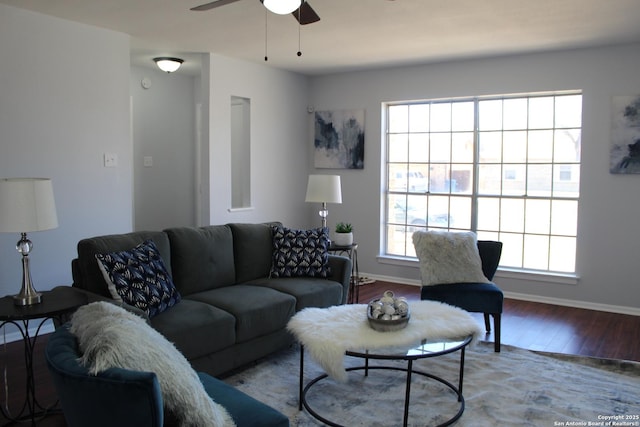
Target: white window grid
(546,183)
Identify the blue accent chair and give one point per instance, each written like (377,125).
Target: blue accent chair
(125,398)
(484,298)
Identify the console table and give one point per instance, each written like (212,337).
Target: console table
(55,305)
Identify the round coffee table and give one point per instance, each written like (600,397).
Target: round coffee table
(426,350)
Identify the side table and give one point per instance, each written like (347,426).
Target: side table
(55,305)
(352,252)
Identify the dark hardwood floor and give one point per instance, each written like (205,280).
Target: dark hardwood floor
(551,328)
(529,325)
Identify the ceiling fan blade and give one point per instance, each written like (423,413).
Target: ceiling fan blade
(305,14)
(212,5)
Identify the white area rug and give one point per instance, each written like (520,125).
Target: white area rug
(512,388)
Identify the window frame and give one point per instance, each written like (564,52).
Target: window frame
(560,171)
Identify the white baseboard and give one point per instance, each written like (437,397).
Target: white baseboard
(391,279)
(575,304)
(532,298)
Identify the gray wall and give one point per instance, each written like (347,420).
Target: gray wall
(279,143)
(65,99)
(608,232)
(64,102)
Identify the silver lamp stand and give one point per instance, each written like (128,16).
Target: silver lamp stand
(28,295)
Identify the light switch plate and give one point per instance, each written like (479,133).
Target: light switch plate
(110,160)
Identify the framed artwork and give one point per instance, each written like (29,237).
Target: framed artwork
(625,135)
(339,139)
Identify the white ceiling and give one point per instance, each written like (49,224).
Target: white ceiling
(354,34)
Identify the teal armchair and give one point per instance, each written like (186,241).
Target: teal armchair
(125,398)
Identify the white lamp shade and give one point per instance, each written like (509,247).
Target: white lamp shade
(282,7)
(168,65)
(27,204)
(324,189)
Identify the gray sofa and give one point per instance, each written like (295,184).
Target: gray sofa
(231,311)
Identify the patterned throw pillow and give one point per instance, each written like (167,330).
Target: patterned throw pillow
(139,278)
(300,252)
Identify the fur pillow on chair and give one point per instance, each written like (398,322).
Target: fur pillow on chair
(448,257)
(110,336)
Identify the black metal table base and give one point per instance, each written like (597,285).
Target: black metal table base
(56,305)
(409,370)
(31,410)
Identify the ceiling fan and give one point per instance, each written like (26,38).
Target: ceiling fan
(304,14)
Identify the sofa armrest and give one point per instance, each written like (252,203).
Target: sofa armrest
(341,272)
(114,397)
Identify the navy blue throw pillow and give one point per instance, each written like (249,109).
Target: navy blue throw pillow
(300,252)
(139,278)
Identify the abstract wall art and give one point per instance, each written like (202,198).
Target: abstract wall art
(339,139)
(625,135)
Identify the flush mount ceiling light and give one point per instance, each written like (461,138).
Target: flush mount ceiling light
(168,64)
(282,7)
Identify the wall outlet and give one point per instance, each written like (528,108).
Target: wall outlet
(147,161)
(110,160)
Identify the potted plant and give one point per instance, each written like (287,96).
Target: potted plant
(344,234)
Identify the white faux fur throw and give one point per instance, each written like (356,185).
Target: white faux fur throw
(328,332)
(110,336)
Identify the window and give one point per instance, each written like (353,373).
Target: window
(506,167)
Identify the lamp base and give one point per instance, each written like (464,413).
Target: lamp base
(27,299)
(28,295)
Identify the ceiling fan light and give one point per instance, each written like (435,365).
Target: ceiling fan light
(282,7)
(167,64)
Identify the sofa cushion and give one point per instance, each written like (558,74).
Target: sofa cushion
(448,257)
(111,337)
(87,274)
(258,310)
(196,328)
(300,252)
(252,250)
(308,291)
(139,278)
(201,258)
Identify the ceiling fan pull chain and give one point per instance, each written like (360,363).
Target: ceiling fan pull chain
(299,26)
(266,58)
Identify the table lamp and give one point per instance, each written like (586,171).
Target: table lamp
(324,189)
(26,204)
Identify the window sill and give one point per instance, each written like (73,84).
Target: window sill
(504,273)
(248,208)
